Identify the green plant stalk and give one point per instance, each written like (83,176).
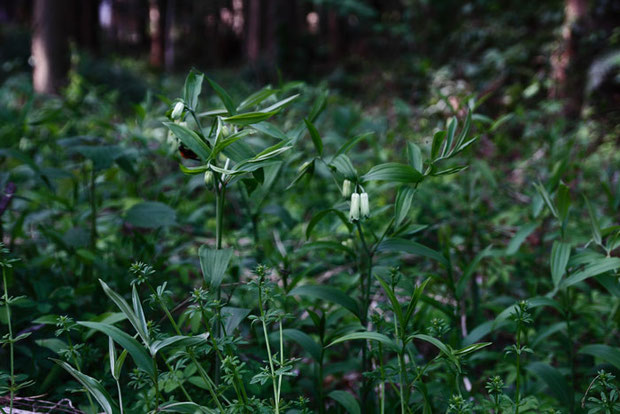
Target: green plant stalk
(365,293)
(77,365)
(273,375)
(220,192)
(281,361)
(382,386)
(320,383)
(401,366)
(120,395)
(203,374)
(518,380)
(11,347)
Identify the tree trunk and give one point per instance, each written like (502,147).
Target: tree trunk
(569,82)
(157,29)
(50,46)
(253,33)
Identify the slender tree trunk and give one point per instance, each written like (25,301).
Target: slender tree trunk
(569,83)
(253,31)
(50,46)
(157,30)
(170,19)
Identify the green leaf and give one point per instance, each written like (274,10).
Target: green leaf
(177,340)
(459,146)
(192,89)
(547,199)
(276,106)
(138,353)
(270,129)
(471,348)
(393,172)
(151,215)
(408,246)
(233,317)
(450,136)
(229,140)
(558,387)
(102,156)
(93,386)
(601,266)
(352,141)
(329,294)
(368,336)
(186,408)
(449,171)
(321,214)
(396,306)
(224,96)
(402,205)
(316,138)
(519,237)
(347,400)
(560,253)
(607,353)
(596,229)
(436,145)
(137,308)
(434,341)
(127,311)
(214,263)
(415,298)
(249,118)
(415,156)
(305,341)
(256,98)
(190,139)
(343,165)
(562,199)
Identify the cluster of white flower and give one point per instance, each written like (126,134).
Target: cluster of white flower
(360,208)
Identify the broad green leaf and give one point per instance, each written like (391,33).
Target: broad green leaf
(102,156)
(276,106)
(233,318)
(229,140)
(177,340)
(185,408)
(151,215)
(305,341)
(190,139)
(415,298)
(224,96)
(408,246)
(607,353)
(402,205)
(343,165)
(547,199)
(347,400)
(434,341)
(368,336)
(393,172)
(249,118)
(192,89)
(214,263)
(137,308)
(558,387)
(316,138)
(93,386)
(329,294)
(436,145)
(519,237)
(127,311)
(562,201)
(138,353)
(269,129)
(256,98)
(560,253)
(414,154)
(601,266)
(596,229)
(449,136)
(352,141)
(53,344)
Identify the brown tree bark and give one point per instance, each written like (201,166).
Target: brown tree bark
(50,46)
(253,32)
(157,30)
(568,83)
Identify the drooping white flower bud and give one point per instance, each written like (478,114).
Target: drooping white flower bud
(178,110)
(354,212)
(208,178)
(346,188)
(364,206)
(225,131)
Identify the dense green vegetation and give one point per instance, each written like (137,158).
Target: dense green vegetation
(429,233)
